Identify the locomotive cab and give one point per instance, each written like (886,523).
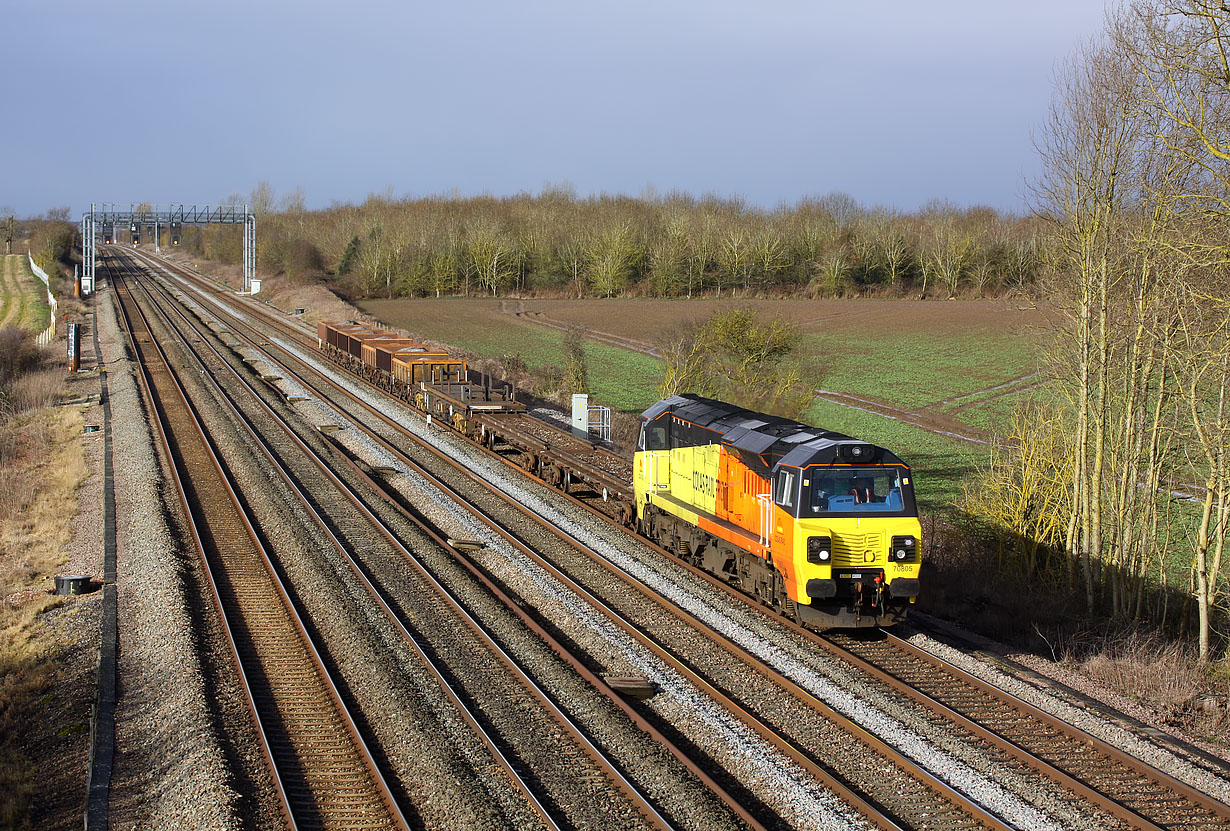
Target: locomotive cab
(855,544)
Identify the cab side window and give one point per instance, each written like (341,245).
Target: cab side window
(656,437)
(784,488)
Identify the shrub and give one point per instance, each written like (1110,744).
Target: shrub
(17,354)
(303,259)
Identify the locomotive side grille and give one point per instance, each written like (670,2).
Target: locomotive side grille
(857,549)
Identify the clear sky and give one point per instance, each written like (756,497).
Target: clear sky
(894,102)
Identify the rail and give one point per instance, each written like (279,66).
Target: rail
(1214,811)
(804,759)
(1139,794)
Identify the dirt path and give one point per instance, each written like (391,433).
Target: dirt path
(973,399)
(541,319)
(932,422)
(6,292)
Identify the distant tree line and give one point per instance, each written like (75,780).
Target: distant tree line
(51,238)
(605,246)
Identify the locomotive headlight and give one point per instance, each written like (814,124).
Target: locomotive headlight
(819,549)
(904,549)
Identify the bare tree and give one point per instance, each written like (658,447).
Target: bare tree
(668,257)
(491,255)
(890,247)
(1086,150)
(734,256)
(263,199)
(950,252)
(768,255)
(612,259)
(1204,344)
(8,227)
(294,202)
(832,274)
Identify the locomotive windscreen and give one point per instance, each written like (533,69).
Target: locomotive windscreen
(832,491)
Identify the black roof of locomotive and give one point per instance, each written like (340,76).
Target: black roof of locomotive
(764,441)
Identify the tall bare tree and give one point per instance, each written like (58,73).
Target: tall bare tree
(612,259)
(8,227)
(491,255)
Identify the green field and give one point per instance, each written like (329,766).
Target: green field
(916,357)
(920,368)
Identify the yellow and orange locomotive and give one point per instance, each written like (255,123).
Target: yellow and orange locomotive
(816,523)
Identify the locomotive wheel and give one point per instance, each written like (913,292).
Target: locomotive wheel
(625,515)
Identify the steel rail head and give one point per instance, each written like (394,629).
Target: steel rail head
(1145,769)
(577,663)
(163,434)
(654,817)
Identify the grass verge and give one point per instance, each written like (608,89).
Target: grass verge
(41,466)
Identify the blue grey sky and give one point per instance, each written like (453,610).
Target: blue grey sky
(894,102)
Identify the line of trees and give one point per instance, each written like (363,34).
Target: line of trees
(606,246)
(1124,474)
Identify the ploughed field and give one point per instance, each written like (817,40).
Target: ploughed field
(930,380)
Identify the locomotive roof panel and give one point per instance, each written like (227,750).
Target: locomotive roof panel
(765,441)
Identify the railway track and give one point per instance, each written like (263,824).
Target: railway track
(518,770)
(1135,794)
(324,774)
(915,798)
(888,801)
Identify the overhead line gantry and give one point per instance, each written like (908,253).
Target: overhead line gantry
(174,217)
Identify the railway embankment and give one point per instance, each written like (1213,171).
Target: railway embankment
(47,643)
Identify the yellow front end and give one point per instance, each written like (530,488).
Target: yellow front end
(850,573)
